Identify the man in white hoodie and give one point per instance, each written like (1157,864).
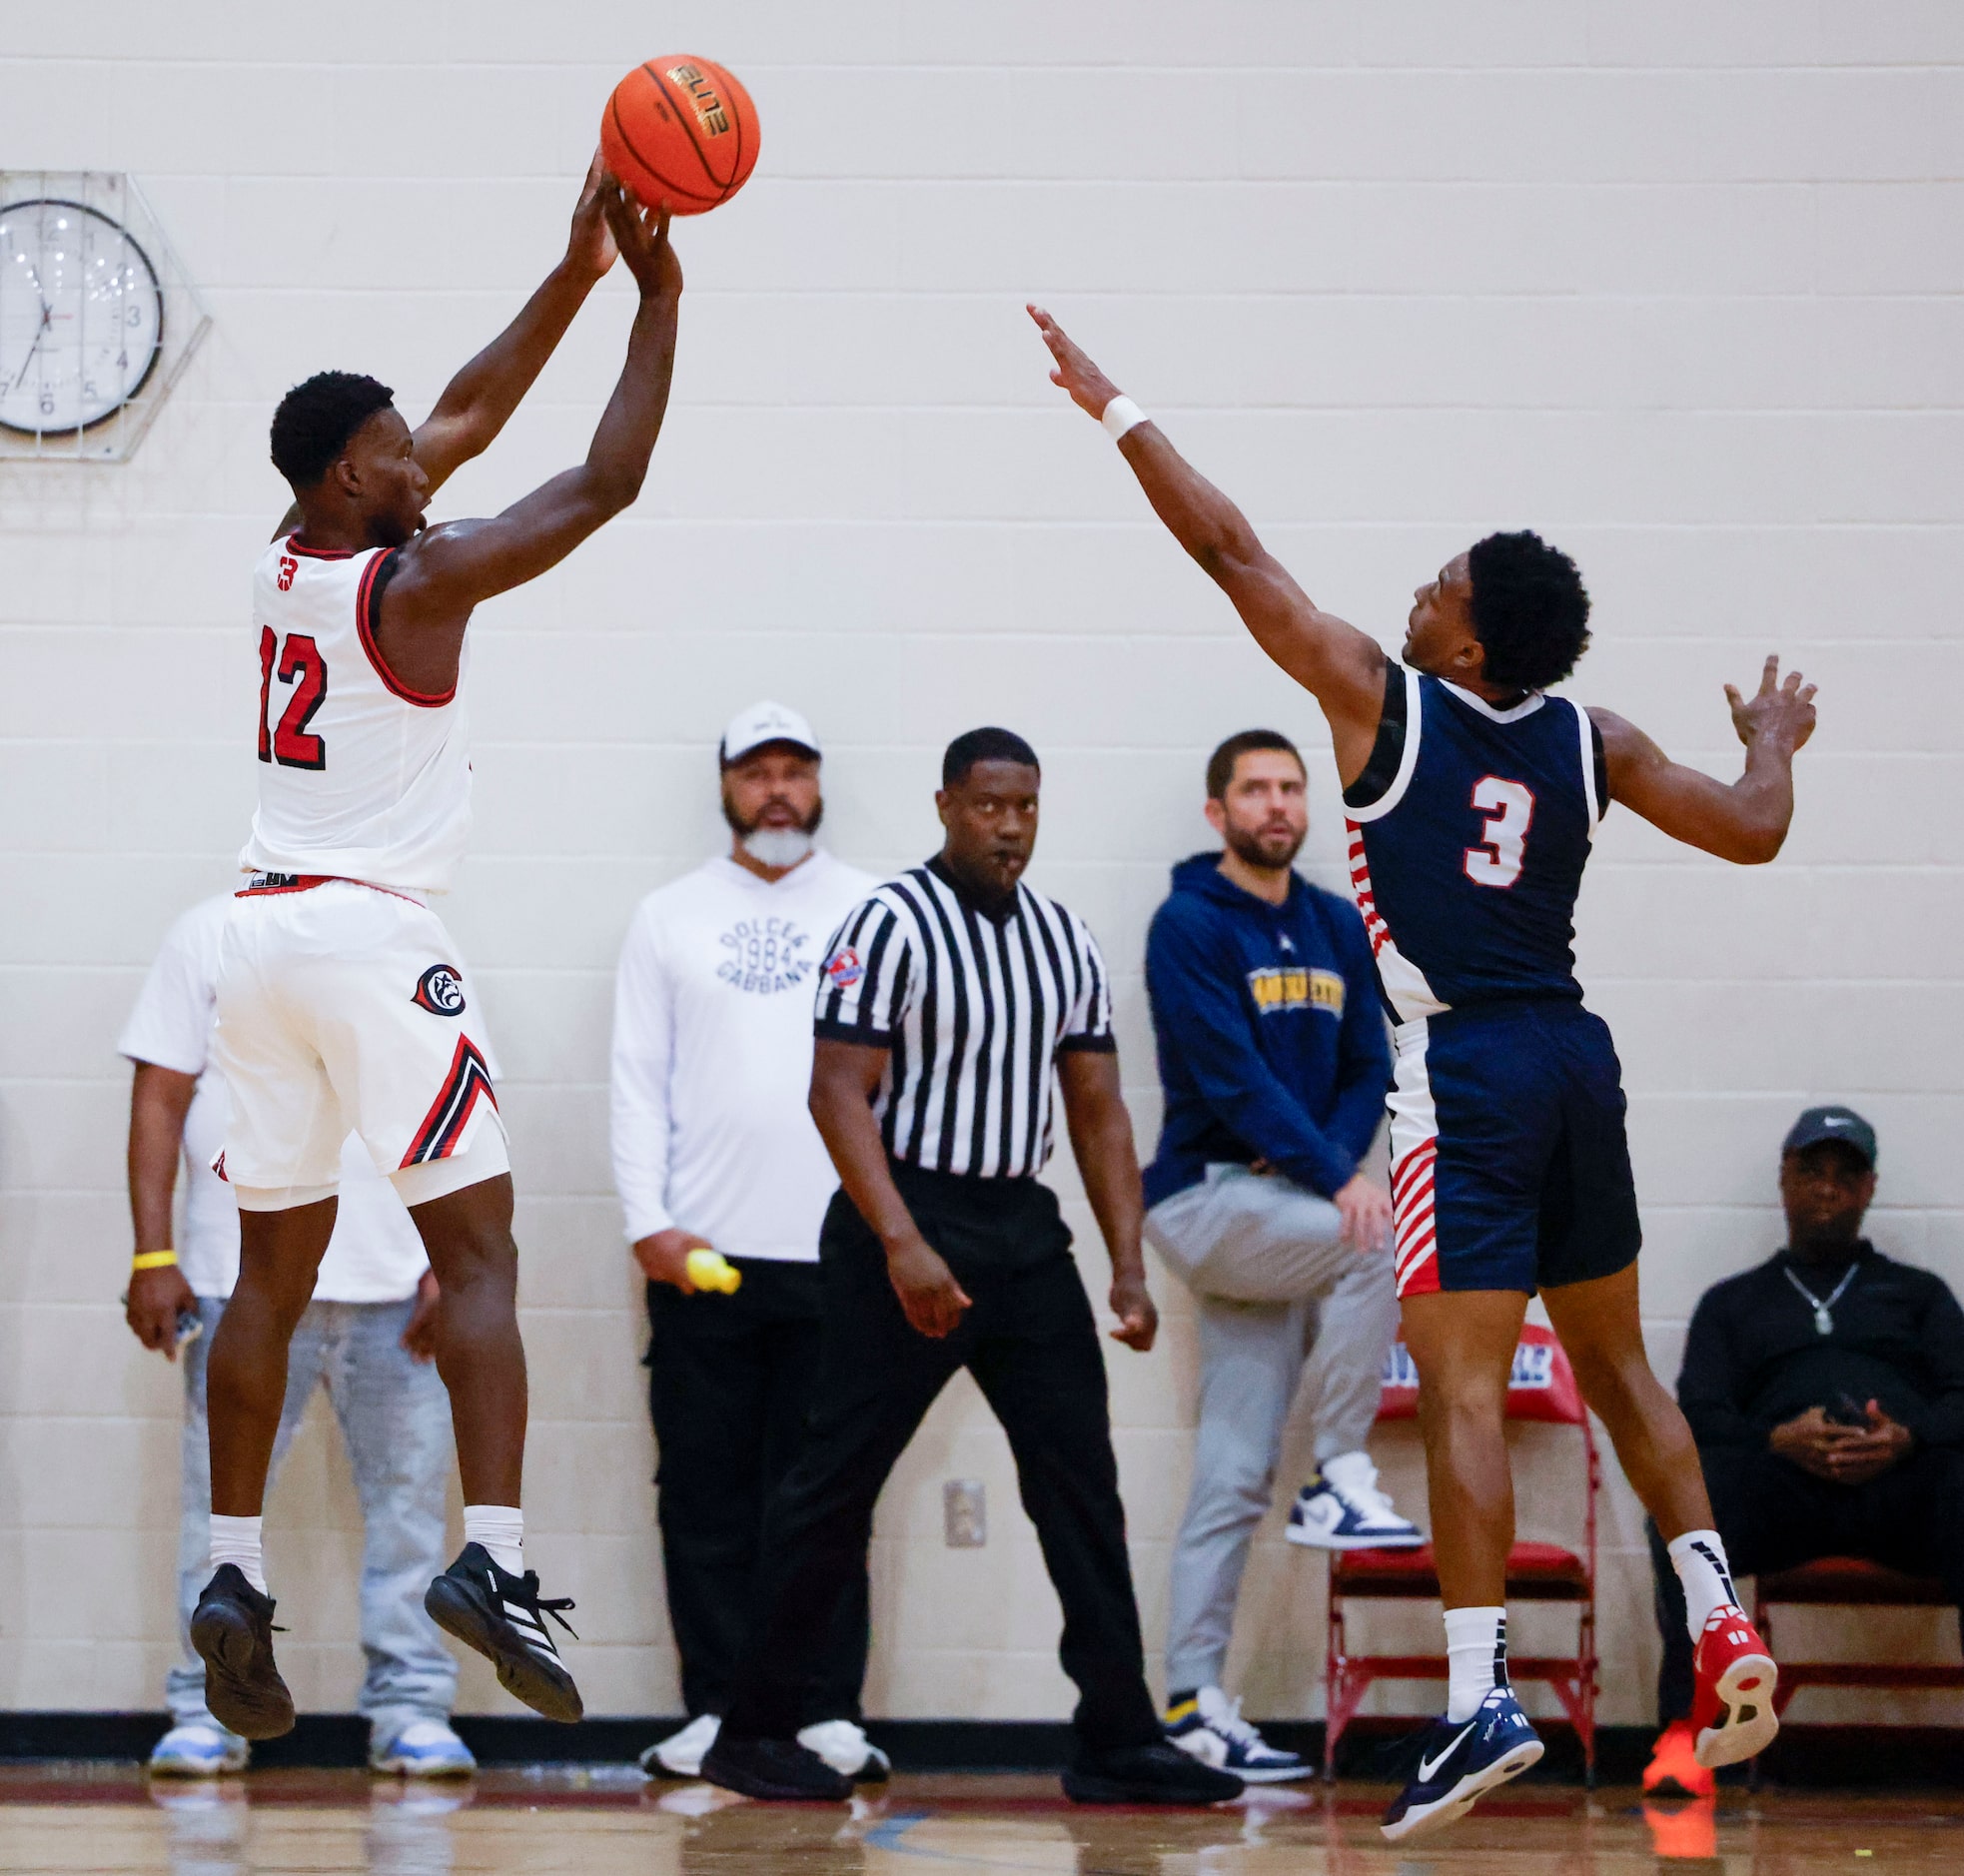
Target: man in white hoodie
(714,1147)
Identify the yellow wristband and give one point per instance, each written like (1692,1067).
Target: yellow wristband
(152,1260)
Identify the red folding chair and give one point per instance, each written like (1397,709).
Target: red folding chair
(1541,1387)
(1850,1583)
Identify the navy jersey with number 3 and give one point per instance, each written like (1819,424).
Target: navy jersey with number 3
(1469,832)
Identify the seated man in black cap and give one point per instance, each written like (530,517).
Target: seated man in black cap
(1825,1389)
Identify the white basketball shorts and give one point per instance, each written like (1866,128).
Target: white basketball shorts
(343,1008)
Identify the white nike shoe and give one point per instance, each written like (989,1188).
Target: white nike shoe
(680,1754)
(1340,1508)
(843,1745)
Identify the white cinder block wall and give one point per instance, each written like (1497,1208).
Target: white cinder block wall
(1679,285)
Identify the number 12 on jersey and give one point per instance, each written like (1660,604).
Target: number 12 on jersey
(298,663)
(1508,807)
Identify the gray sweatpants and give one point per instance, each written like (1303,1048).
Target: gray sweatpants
(1276,1293)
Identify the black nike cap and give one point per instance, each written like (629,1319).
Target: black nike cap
(1819,1124)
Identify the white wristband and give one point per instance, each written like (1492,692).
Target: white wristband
(1121,414)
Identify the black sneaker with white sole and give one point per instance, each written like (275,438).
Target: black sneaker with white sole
(504,1618)
(231,1628)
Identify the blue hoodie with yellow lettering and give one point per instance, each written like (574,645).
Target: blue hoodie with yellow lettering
(1272,1040)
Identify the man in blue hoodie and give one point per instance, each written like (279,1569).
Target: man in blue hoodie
(1274,1061)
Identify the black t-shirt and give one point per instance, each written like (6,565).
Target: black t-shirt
(1754,1357)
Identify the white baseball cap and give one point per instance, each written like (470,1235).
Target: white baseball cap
(761,723)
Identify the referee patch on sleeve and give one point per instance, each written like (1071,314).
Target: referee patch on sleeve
(843,968)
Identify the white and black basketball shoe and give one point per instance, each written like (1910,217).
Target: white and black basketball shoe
(504,1618)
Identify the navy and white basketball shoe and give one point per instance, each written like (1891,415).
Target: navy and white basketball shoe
(1210,1729)
(1458,1762)
(1340,1508)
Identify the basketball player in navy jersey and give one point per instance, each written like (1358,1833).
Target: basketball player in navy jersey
(1472,798)
(342,1005)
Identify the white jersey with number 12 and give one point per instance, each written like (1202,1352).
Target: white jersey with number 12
(360,777)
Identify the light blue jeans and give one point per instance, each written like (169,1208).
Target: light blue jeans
(396,1421)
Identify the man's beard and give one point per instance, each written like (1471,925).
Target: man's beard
(1249,847)
(777,847)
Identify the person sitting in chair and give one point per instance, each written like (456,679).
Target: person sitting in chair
(1825,1389)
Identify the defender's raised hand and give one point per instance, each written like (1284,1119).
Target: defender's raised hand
(1784,712)
(590,247)
(642,238)
(1090,389)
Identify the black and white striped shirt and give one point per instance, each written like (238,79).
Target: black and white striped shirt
(973,1010)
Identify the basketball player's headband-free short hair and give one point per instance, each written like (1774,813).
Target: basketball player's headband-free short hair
(316,418)
(1530,610)
(988,744)
(1221,764)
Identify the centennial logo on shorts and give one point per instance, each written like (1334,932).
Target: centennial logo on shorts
(439,991)
(843,969)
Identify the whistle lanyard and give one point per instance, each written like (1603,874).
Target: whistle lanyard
(1823,1316)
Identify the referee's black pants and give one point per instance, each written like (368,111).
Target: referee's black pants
(730,1382)
(1032,1345)
(1773,1515)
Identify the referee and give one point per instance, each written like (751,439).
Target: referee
(953,999)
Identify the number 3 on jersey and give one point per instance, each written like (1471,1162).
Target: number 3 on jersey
(1508,807)
(300,665)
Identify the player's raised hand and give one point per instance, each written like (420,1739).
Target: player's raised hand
(1783,711)
(642,237)
(590,247)
(1090,389)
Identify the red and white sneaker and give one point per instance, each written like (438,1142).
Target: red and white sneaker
(1732,1704)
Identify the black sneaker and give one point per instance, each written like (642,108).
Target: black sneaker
(1156,1773)
(232,1627)
(773,1769)
(504,1618)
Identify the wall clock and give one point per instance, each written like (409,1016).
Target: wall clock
(97,316)
(81,315)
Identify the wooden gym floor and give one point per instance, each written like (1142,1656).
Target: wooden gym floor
(605,1821)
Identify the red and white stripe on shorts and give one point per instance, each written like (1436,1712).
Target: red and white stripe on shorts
(1413,1230)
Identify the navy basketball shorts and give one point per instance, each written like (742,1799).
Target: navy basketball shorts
(1511,1167)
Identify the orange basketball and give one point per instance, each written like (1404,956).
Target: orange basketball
(680,129)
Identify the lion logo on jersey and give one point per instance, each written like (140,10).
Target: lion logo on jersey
(440,990)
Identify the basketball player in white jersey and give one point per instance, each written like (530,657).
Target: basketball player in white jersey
(342,1005)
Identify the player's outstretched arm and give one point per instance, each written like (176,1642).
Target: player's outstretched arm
(1342,666)
(1746,821)
(480,400)
(444,571)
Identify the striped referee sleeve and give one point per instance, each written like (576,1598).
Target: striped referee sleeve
(868,982)
(1088,1026)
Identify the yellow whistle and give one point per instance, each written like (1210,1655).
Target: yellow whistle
(710,1269)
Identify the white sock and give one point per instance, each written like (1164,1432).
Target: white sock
(1707,1579)
(235,1540)
(1477,1647)
(501,1528)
